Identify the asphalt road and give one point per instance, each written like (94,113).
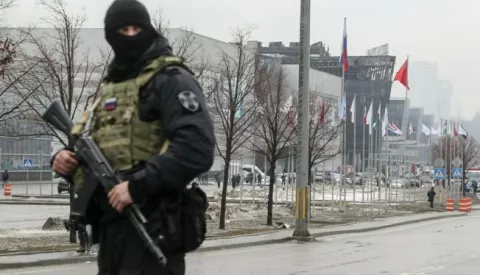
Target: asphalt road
(445,247)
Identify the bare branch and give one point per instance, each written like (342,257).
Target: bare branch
(467,149)
(323,131)
(233,103)
(63,69)
(276,125)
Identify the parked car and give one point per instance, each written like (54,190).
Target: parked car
(319,176)
(62,184)
(332,177)
(414,182)
(398,183)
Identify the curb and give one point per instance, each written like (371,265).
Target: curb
(42,196)
(15,202)
(80,259)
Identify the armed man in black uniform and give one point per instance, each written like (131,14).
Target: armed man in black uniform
(152,124)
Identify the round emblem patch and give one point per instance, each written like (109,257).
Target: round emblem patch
(188,100)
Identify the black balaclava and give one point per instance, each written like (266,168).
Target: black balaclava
(128,12)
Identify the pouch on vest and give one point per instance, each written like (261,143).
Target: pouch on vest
(179,223)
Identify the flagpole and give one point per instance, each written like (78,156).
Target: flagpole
(445,182)
(363,154)
(370,157)
(379,150)
(442,194)
(406,136)
(344,127)
(457,191)
(441,157)
(354,114)
(388,171)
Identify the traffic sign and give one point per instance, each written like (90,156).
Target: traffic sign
(438,173)
(457,173)
(27,163)
(439,162)
(457,162)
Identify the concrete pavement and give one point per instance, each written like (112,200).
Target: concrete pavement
(29,216)
(238,242)
(440,247)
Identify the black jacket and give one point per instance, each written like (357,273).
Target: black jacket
(191,133)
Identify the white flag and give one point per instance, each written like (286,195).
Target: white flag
(352,108)
(433,131)
(333,122)
(425,130)
(385,122)
(462,131)
(369,118)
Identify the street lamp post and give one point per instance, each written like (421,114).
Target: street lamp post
(301,226)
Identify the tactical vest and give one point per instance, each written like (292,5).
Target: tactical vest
(116,128)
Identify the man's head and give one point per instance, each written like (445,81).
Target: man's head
(128,29)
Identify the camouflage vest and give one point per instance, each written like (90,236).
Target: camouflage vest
(116,128)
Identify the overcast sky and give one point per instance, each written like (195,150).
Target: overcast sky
(441,31)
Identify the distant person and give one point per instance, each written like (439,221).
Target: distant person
(217,179)
(474,186)
(431,196)
(238,179)
(5,177)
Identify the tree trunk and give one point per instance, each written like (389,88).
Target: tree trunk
(270,192)
(223,204)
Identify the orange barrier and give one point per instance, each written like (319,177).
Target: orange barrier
(465,205)
(8,189)
(450,204)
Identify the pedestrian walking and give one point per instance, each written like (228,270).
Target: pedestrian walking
(431,196)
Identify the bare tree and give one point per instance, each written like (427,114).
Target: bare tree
(322,132)
(12,71)
(186,46)
(65,70)
(466,148)
(183,46)
(234,107)
(276,127)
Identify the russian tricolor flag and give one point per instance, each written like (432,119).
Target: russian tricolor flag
(344,56)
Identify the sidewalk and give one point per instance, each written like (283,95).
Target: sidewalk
(67,257)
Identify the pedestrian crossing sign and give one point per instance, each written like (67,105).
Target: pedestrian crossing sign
(438,173)
(457,173)
(27,163)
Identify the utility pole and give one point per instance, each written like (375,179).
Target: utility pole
(301,226)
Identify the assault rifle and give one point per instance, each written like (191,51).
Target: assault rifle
(88,152)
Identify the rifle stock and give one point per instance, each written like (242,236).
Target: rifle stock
(100,169)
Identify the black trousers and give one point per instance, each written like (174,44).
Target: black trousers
(122,252)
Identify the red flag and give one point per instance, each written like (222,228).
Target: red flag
(455,132)
(290,118)
(321,115)
(402,75)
